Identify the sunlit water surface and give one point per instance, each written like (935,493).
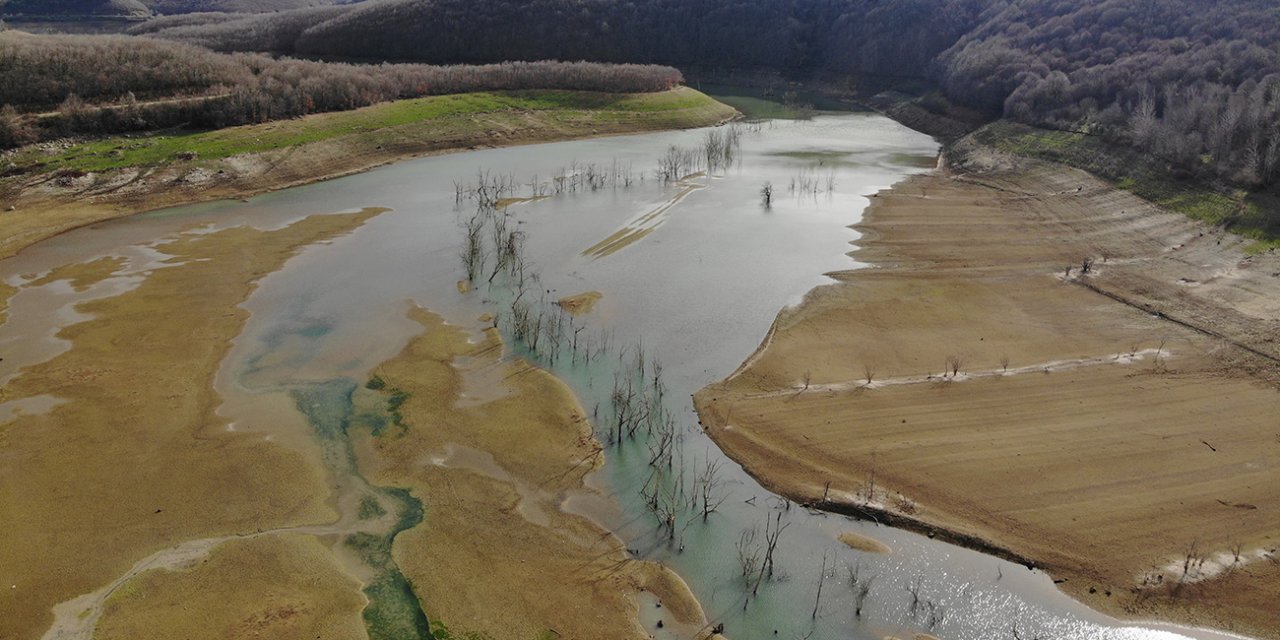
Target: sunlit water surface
(698,292)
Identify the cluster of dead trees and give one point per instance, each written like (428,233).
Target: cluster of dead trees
(675,491)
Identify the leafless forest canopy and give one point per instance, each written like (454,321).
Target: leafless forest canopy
(129,8)
(1195,83)
(150,84)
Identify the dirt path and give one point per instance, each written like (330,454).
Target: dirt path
(976,383)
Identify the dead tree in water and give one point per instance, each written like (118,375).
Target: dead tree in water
(749,560)
(914,589)
(473,251)
(709,488)
(861,586)
(822,579)
(771,536)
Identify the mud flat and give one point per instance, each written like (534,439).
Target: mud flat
(580,304)
(134,460)
(6,292)
(492,471)
(1115,427)
(283,586)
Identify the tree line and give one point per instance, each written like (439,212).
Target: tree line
(1197,84)
(1190,81)
(892,37)
(113,84)
(141,8)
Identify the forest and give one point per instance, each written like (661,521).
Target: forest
(1196,84)
(111,84)
(143,8)
(1192,82)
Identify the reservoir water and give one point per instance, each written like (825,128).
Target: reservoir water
(707,271)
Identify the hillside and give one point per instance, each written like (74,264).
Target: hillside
(1196,84)
(57,86)
(73,8)
(171,7)
(136,9)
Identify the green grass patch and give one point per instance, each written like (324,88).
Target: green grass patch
(757,103)
(161,148)
(1253,215)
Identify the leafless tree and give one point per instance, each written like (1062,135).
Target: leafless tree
(860,583)
(953,365)
(772,533)
(710,487)
(822,579)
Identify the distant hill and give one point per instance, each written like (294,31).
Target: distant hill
(73,8)
(171,7)
(136,9)
(1191,82)
(1194,83)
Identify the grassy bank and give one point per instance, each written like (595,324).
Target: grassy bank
(55,187)
(384,121)
(1250,214)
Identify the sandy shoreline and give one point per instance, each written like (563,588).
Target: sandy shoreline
(964,386)
(126,465)
(289,579)
(493,475)
(270,559)
(45,208)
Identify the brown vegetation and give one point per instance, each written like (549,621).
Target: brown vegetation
(1193,83)
(112,84)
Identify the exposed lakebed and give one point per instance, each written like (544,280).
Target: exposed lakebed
(705,269)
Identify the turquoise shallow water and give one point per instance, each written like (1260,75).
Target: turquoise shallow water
(698,292)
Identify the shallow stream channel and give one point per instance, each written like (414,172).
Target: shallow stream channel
(691,267)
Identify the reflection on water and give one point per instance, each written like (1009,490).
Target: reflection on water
(698,291)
